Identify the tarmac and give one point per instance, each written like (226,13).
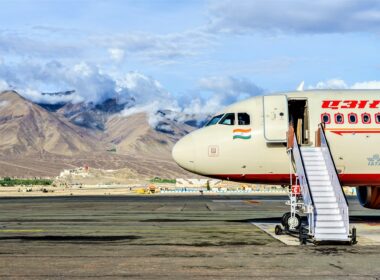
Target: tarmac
(172,237)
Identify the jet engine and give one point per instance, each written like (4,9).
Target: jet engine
(369,196)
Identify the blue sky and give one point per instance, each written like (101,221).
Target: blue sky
(188,50)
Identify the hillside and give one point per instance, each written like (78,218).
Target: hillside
(42,142)
(28,129)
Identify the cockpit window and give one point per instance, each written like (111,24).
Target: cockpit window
(214,120)
(228,119)
(243,119)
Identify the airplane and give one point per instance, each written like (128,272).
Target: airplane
(247,141)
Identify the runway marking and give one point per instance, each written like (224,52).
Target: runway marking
(21,230)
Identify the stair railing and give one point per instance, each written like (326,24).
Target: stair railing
(297,158)
(333,174)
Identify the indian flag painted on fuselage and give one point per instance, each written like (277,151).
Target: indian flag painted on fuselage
(241,133)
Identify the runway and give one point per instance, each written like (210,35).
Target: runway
(168,237)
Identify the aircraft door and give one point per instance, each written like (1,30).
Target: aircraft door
(276,119)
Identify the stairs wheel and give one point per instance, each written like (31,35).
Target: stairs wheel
(303,240)
(302,236)
(278,230)
(353,240)
(291,222)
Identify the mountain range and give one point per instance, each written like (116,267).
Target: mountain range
(43,139)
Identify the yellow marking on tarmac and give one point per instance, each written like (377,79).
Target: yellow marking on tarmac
(21,230)
(252,201)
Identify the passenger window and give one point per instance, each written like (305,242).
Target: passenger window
(339,119)
(243,119)
(229,119)
(378,118)
(326,118)
(214,120)
(366,118)
(352,118)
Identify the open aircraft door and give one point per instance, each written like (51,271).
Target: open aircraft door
(276,119)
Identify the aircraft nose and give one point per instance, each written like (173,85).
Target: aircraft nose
(184,153)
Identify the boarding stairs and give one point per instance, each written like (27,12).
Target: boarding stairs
(324,201)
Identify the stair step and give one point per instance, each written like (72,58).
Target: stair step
(329,224)
(323,194)
(329,217)
(327,211)
(324,199)
(311,152)
(317,172)
(311,149)
(330,230)
(314,163)
(315,183)
(312,159)
(315,188)
(316,168)
(331,237)
(326,205)
(318,177)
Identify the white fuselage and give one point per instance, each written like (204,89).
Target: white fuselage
(256,152)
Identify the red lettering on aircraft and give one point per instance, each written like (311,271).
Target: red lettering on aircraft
(362,104)
(374,104)
(330,104)
(350,104)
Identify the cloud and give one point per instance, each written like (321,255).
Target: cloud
(366,85)
(143,88)
(227,90)
(150,97)
(4,85)
(31,44)
(157,48)
(49,42)
(295,16)
(341,84)
(32,79)
(212,95)
(116,54)
(330,84)
(90,83)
